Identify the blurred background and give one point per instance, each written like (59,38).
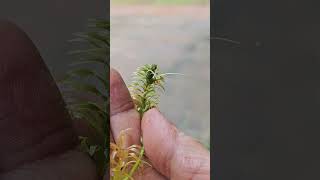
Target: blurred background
(50,31)
(175,35)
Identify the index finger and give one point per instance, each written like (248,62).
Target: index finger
(123,114)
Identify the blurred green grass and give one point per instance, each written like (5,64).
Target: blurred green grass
(162,2)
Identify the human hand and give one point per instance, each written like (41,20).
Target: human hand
(37,138)
(172,154)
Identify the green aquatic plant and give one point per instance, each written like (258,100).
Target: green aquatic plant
(147,83)
(123,159)
(87,90)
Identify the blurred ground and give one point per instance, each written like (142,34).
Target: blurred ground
(177,39)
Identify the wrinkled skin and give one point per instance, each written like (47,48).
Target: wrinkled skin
(38,139)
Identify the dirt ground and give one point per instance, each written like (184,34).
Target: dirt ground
(177,39)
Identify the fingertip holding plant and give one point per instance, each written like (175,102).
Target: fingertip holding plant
(147,82)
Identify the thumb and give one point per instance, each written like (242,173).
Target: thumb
(172,153)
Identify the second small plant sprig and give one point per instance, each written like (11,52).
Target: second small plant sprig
(148,81)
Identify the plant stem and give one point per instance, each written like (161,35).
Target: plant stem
(136,165)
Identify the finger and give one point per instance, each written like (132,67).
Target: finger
(111,138)
(71,165)
(172,153)
(123,114)
(147,174)
(33,120)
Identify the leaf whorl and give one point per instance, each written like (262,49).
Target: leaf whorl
(145,87)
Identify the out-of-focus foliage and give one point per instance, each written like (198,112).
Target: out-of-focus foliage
(86,89)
